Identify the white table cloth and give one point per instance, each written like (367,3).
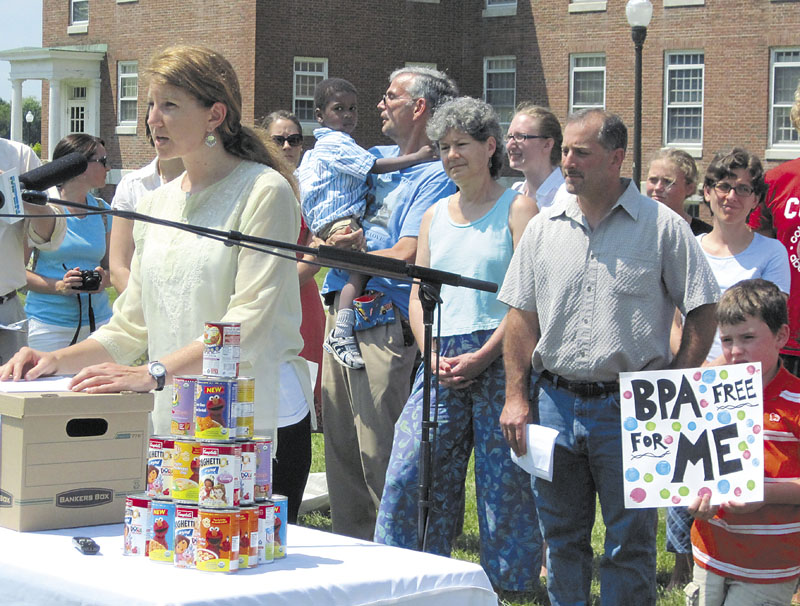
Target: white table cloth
(321,569)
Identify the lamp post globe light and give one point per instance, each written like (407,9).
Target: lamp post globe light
(639,13)
(29,121)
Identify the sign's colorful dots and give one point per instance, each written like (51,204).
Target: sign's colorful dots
(676,426)
(683,491)
(709,376)
(723,374)
(663,468)
(650,426)
(632,475)
(703,403)
(692,425)
(664,493)
(737,491)
(740,415)
(630,423)
(638,495)
(742,446)
(751,439)
(627,395)
(756,428)
(668,440)
(648,477)
(705,490)
(723,486)
(724,417)
(709,416)
(751,484)
(676,500)
(746,454)
(751,369)
(696,376)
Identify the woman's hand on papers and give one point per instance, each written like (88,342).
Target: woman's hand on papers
(112,378)
(28,364)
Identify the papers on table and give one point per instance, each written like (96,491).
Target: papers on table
(44,384)
(538,460)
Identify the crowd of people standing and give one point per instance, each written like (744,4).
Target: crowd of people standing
(595,279)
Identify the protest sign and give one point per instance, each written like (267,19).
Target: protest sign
(692,432)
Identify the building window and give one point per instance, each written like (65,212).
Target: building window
(78,11)
(500,86)
(587,81)
(127,91)
(586,6)
(500,8)
(308,72)
(683,114)
(784,78)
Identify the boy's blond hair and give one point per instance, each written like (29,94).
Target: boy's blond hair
(759,298)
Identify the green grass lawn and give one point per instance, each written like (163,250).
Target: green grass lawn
(467,545)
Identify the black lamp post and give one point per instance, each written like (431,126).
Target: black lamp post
(639,13)
(29,121)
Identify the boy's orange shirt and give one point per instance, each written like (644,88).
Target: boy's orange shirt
(762,546)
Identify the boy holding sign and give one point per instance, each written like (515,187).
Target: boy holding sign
(750,553)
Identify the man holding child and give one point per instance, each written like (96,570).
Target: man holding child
(361,405)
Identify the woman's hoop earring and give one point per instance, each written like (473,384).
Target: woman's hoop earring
(211,140)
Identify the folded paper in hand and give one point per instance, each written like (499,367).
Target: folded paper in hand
(538,460)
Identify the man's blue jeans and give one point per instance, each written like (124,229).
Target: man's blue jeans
(588,463)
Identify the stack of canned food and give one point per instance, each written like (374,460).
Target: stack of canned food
(209,502)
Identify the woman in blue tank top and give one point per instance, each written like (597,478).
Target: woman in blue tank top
(62,309)
(472,233)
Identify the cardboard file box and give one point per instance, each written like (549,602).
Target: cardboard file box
(69,459)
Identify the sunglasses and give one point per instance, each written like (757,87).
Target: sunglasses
(103,160)
(293,140)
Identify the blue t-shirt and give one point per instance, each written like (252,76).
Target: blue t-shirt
(84,246)
(401,198)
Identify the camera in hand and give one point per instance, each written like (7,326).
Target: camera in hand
(90,280)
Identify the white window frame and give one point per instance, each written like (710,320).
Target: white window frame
(127,127)
(308,125)
(499,8)
(694,148)
(78,27)
(586,6)
(574,69)
(778,150)
(487,70)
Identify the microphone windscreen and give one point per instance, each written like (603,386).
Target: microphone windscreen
(55,172)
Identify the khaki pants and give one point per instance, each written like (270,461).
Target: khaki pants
(359,410)
(711,589)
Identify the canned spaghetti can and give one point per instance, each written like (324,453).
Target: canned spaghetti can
(162,531)
(218,541)
(221,349)
(183,405)
(248,483)
(248,537)
(281,522)
(266,532)
(263,482)
(185,535)
(186,470)
(159,467)
(137,525)
(245,408)
(220,475)
(214,402)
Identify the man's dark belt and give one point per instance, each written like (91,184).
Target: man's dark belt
(8,297)
(585,389)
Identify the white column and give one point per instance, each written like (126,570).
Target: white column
(54,117)
(93,107)
(16,109)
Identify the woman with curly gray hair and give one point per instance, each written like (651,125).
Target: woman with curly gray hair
(473,233)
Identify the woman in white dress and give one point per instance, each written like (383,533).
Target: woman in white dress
(235,179)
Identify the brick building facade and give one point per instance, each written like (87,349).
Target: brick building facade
(716,73)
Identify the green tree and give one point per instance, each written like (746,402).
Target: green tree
(32,133)
(5,119)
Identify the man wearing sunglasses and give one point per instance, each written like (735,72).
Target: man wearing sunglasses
(360,407)
(46,232)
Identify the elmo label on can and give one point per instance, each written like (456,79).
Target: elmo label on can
(221,349)
(214,409)
(162,531)
(248,537)
(183,389)
(263,480)
(220,475)
(186,470)
(137,525)
(186,533)
(159,467)
(281,522)
(218,542)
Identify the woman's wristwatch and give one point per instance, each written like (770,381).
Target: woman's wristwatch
(159,372)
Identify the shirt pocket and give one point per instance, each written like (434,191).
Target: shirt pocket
(633,277)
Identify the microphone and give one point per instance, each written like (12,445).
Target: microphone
(30,185)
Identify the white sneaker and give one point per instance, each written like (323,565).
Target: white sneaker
(344,350)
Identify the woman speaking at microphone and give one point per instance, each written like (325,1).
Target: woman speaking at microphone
(234,180)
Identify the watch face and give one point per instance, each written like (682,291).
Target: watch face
(157,369)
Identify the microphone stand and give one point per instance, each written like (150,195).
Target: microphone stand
(431,281)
